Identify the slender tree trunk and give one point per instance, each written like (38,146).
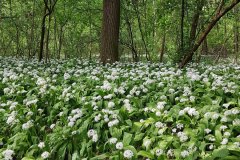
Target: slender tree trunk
(135,5)
(90,30)
(47,39)
(220,13)
(60,42)
(236,33)
(43,28)
(204,50)
(163,46)
(110,31)
(55,37)
(18,42)
(31,43)
(135,57)
(182,27)
(47,12)
(195,21)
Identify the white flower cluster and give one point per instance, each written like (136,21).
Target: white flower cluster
(41,145)
(45,155)
(66,76)
(127,105)
(12,118)
(161,105)
(113,140)
(182,136)
(42,83)
(8,154)
(75,115)
(67,93)
(128,154)
(190,111)
(119,145)
(27,125)
(29,102)
(93,134)
(159,152)
(106,86)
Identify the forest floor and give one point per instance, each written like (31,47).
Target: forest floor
(78,109)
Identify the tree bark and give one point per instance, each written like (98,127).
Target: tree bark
(110,31)
(47,39)
(47,12)
(220,13)
(43,28)
(135,5)
(182,27)
(236,34)
(60,42)
(195,21)
(204,50)
(163,46)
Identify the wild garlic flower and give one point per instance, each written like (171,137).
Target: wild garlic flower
(159,152)
(119,146)
(45,155)
(8,154)
(128,154)
(41,145)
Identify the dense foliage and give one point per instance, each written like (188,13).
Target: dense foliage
(147,27)
(77,109)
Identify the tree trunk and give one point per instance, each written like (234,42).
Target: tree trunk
(220,13)
(55,38)
(182,27)
(204,50)
(47,39)
(195,21)
(60,42)
(110,31)
(236,33)
(47,12)
(135,5)
(163,46)
(135,57)
(40,57)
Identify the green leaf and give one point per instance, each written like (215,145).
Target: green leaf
(221,153)
(102,156)
(231,158)
(218,136)
(75,155)
(139,137)
(145,154)
(28,158)
(127,137)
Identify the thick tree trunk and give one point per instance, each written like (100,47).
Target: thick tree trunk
(110,31)
(220,13)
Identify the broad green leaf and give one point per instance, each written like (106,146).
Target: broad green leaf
(145,154)
(127,137)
